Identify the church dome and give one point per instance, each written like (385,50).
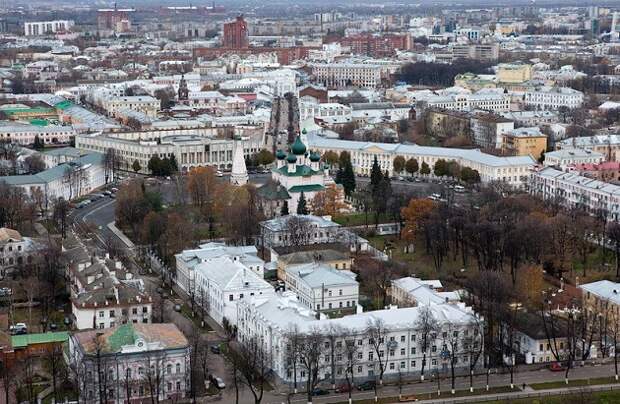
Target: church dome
(314,157)
(298,147)
(280,155)
(291,158)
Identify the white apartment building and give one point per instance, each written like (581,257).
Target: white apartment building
(573,190)
(219,277)
(271,320)
(565,157)
(16,250)
(190,150)
(277,232)
(323,110)
(37,28)
(342,75)
(25,134)
(323,288)
(215,101)
(512,170)
(142,103)
(482,100)
(553,98)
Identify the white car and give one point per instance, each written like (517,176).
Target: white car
(219,173)
(218,382)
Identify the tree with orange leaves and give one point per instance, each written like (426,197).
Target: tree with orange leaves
(201,185)
(328,202)
(414,215)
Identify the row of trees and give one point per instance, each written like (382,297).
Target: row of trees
(442,168)
(162,167)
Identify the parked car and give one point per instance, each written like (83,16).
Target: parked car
(5,292)
(217,381)
(107,193)
(18,329)
(343,388)
(215,349)
(319,392)
(218,173)
(557,367)
(367,385)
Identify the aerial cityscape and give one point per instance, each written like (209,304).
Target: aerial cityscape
(309,202)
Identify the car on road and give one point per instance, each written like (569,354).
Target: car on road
(215,349)
(114,190)
(367,385)
(343,388)
(217,381)
(218,173)
(18,329)
(557,367)
(107,193)
(319,392)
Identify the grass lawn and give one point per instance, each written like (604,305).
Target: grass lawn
(573,383)
(432,395)
(359,219)
(603,397)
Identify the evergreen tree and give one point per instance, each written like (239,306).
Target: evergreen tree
(348,179)
(154,165)
(284,209)
(174,167)
(376,176)
(302,208)
(425,170)
(136,166)
(38,143)
(412,166)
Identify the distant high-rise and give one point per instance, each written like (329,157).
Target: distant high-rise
(236,34)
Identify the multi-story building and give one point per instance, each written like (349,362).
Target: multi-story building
(575,191)
(25,134)
(513,170)
(112,19)
(283,231)
(236,34)
(396,348)
(16,250)
(47,27)
(553,98)
(567,157)
(218,277)
(531,340)
(484,52)
(487,130)
(375,45)
(323,288)
(130,363)
(323,110)
(142,103)
(104,294)
(607,145)
(486,100)
(600,296)
(190,150)
(411,291)
(514,72)
(525,142)
(340,75)
(608,171)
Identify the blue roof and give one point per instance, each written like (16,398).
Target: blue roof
(53,173)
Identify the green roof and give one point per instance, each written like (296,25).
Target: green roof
(298,146)
(306,188)
(273,192)
(63,104)
(40,110)
(38,122)
(22,341)
(300,171)
(124,335)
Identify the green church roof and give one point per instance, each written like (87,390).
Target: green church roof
(291,158)
(280,155)
(306,188)
(300,171)
(298,147)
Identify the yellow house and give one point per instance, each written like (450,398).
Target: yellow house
(525,141)
(514,72)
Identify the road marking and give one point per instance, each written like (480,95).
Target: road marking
(96,209)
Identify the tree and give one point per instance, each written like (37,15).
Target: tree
(425,170)
(411,166)
(399,164)
(111,164)
(469,175)
(155,165)
(376,177)
(441,168)
(613,235)
(302,209)
(35,163)
(345,175)
(327,202)
(59,216)
(428,327)
(330,157)
(136,166)
(416,214)
(310,352)
(264,157)
(377,333)
(284,210)
(38,144)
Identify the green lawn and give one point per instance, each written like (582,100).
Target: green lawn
(573,383)
(359,219)
(603,397)
(432,395)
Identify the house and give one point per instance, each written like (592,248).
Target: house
(217,277)
(411,291)
(130,360)
(295,230)
(566,157)
(531,340)
(525,142)
(322,288)
(335,255)
(16,250)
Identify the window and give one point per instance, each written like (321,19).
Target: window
(370,356)
(434,362)
(112,323)
(402,338)
(111,313)
(340,292)
(381,353)
(145,309)
(402,365)
(168,370)
(101,326)
(101,314)
(434,348)
(412,364)
(413,351)
(402,351)
(178,368)
(230,298)
(391,365)
(134,310)
(360,355)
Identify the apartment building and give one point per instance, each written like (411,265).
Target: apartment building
(399,351)
(524,142)
(486,100)
(142,103)
(576,191)
(323,110)
(512,170)
(553,98)
(37,28)
(567,157)
(483,52)
(341,75)
(607,145)
(25,134)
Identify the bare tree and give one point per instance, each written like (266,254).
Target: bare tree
(377,332)
(473,344)
(298,230)
(254,364)
(7,376)
(56,366)
(351,356)
(428,327)
(614,332)
(154,365)
(293,346)
(333,334)
(311,349)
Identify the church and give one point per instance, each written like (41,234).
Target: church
(295,173)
